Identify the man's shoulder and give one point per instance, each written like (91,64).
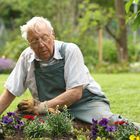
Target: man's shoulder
(69,45)
(72,48)
(27,53)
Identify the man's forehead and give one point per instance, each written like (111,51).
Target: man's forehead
(37,32)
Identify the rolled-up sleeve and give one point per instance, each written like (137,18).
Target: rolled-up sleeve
(75,71)
(16,80)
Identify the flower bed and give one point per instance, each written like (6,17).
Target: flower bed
(120,130)
(56,125)
(59,125)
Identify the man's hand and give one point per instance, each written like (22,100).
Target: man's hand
(28,106)
(33,106)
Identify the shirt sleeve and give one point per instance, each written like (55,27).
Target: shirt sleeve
(16,80)
(75,72)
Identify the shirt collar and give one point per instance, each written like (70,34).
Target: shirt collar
(57,55)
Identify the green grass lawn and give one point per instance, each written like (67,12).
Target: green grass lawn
(123,90)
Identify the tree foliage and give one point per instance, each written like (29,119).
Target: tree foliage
(73,20)
(133,18)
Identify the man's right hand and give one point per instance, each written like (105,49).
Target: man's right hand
(28,106)
(32,106)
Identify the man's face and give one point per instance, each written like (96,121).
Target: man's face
(41,42)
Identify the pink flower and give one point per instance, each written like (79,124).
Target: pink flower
(41,120)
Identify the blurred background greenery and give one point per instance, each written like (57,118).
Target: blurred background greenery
(107,31)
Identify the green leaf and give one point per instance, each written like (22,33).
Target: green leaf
(127,5)
(136,22)
(136,1)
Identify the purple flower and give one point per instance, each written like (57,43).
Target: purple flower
(17,126)
(110,128)
(94,121)
(7,120)
(94,131)
(6,64)
(103,122)
(21,123)
(11,113)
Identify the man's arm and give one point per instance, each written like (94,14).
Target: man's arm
(5,100)
(66,98)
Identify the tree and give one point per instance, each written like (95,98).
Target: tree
(101,15)
(121,35)
(95,17)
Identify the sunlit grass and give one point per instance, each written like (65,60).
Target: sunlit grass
(123,90)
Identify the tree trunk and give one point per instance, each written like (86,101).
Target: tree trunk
(100,46)
(121,41)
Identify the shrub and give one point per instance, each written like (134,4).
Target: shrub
(120,130)
(34,127)
(6,65)
(112,68)
(59,123)
(56,124)
(135,67)
(109,51)
(13,48)
(12,124)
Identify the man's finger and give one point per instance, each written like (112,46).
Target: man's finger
(26,110)
(24,107)
(25,102)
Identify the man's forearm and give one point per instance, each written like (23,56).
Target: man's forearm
(67,98)
(5,100)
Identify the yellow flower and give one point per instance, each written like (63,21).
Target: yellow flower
(138,138)
(132,137)
(98,138)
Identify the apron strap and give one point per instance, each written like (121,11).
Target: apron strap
(63,49)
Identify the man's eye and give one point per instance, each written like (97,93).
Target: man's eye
(45,37)
(34,41)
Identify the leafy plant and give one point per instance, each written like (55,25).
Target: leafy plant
(34,127)
(120,130)
(6,65)
(124,130)
(59,123)
(102,129)
(81,134)
(12,123)
(1,131)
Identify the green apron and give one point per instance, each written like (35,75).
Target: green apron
(50,83)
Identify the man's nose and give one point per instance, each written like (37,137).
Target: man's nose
(41,42)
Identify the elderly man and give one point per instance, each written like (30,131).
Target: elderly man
(55,74)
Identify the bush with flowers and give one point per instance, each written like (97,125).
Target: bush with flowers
(6,65)
(12,124)
(59,125)
(120,130)
(56,124)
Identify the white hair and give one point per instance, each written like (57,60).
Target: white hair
(32,23)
